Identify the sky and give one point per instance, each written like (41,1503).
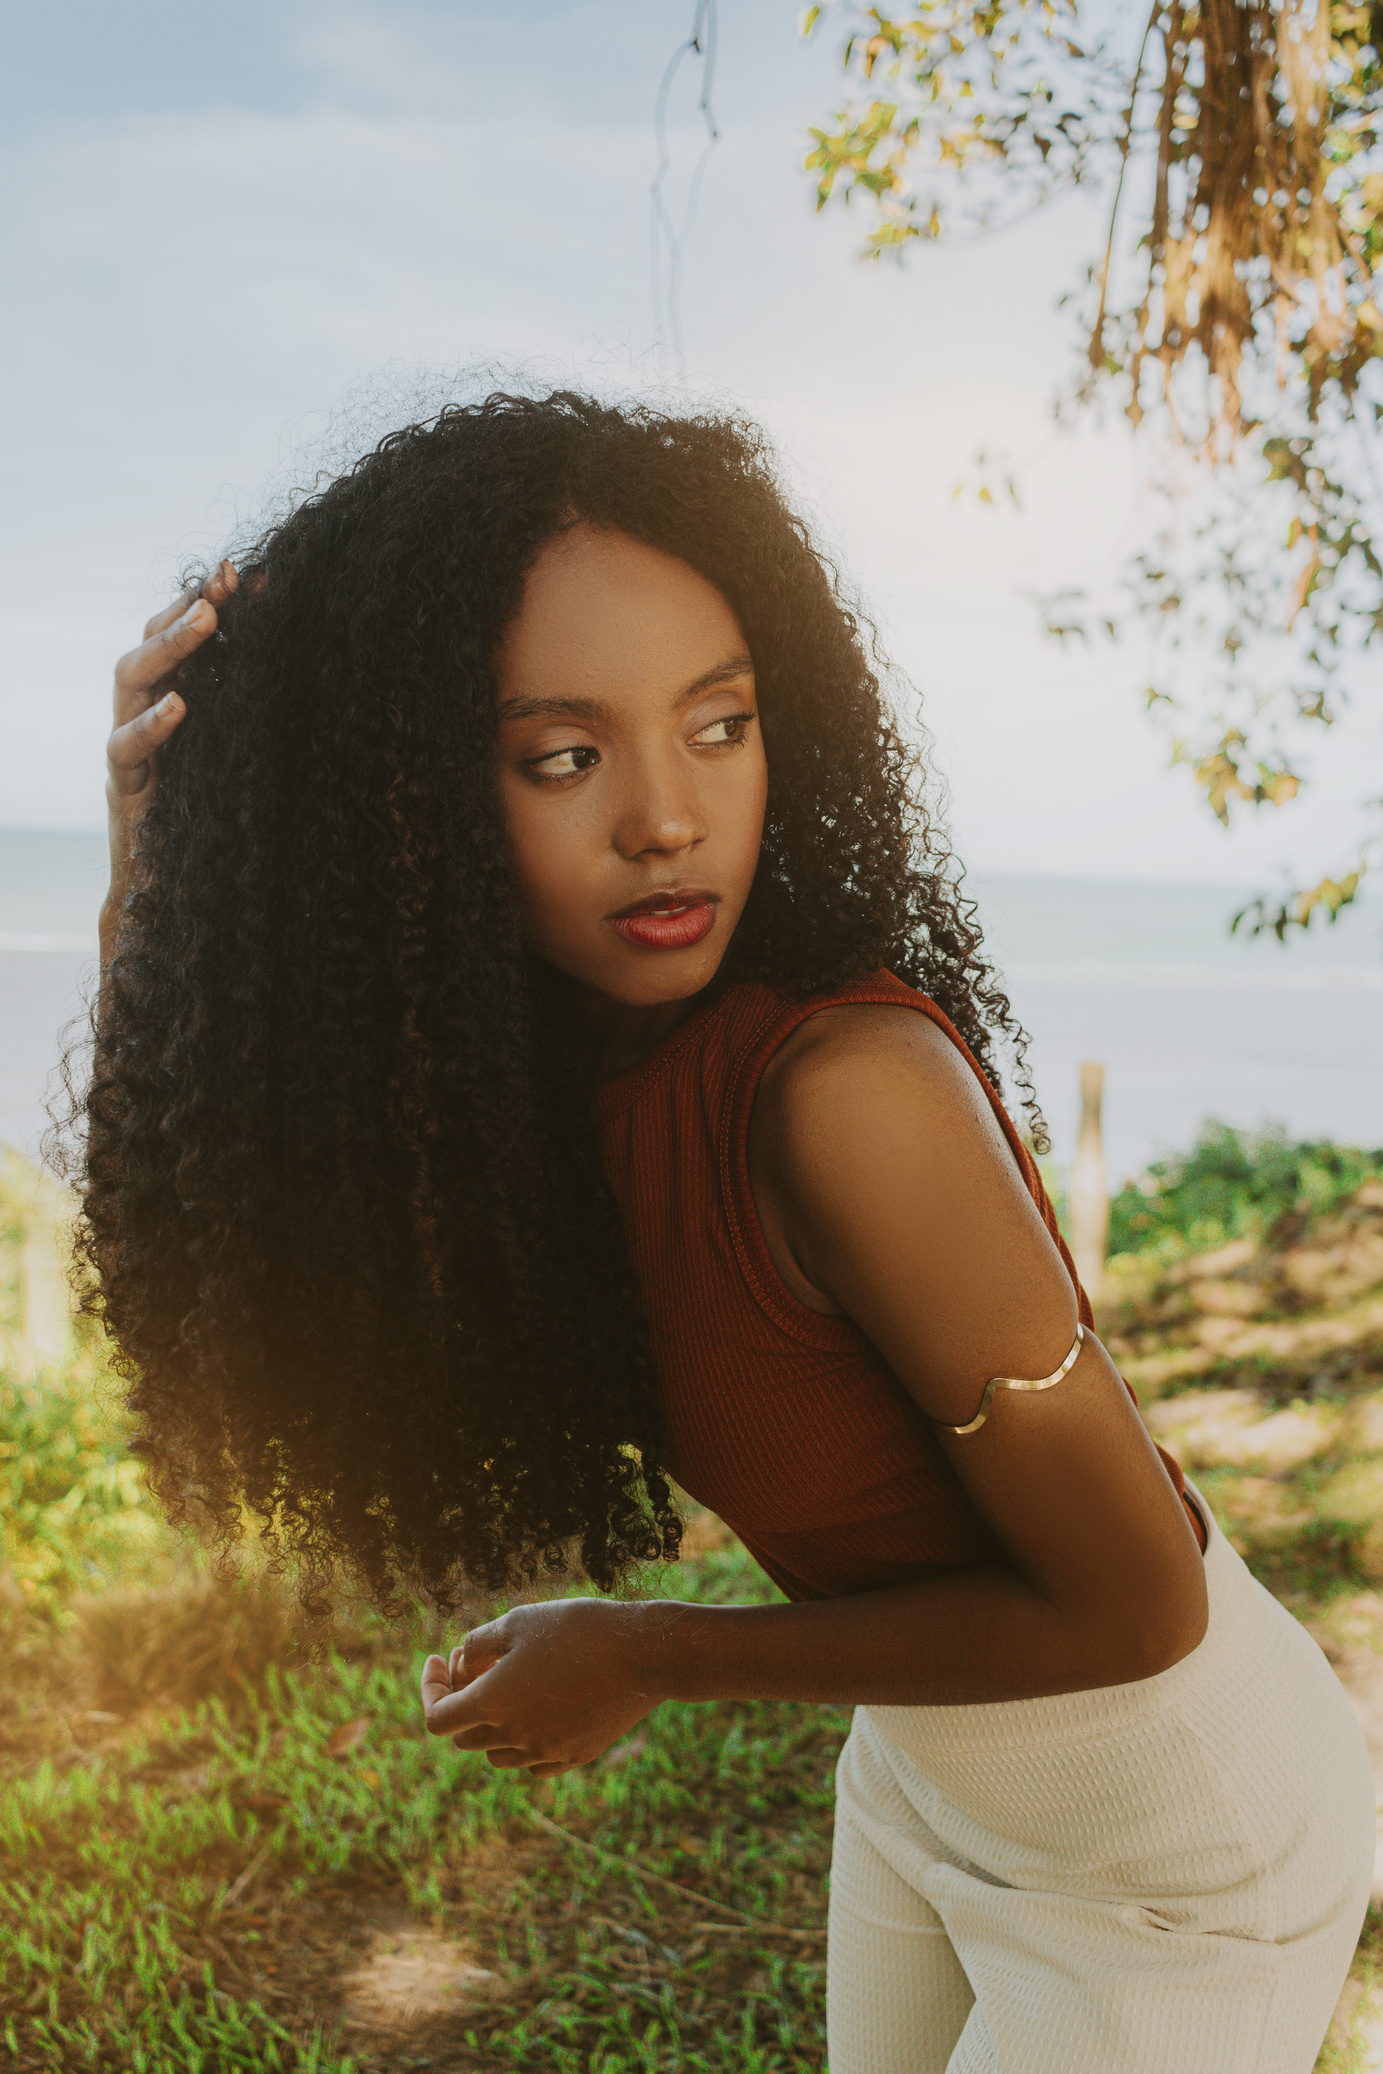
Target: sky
(242,243)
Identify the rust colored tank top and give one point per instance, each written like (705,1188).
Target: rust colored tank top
(787,1423)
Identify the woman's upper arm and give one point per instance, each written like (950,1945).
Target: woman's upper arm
(894,1185)
(898,1196)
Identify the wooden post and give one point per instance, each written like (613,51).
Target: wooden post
(45,1306)
(1089,1186)
(41,1212)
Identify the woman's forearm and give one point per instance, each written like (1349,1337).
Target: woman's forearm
(970,1636)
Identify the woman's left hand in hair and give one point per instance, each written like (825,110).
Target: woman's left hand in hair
(546,1686)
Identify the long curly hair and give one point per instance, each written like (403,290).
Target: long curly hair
(344,1217)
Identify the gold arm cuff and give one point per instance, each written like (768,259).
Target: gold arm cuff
(1013,1382)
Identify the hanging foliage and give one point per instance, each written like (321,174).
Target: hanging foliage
(1234,305)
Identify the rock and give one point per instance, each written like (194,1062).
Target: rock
(1151,1374)
(1194,1406)
(1230,1299)
(1334,1274)
(1234,1339)
(1215,1428)
(1354,1494)
(1220,1335)
(1280,1442)
(1223,1261)
(1266,1513)
(1365,1422)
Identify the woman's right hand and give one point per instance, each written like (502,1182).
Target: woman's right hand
(144,721)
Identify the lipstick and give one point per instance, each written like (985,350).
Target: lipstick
(669,921)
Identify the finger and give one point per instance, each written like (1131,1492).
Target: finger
(137,673)
(482,1647)
(436,1682)
(171,612)
(222,582)
(550,1768)
(216,588)
(451,1713)
(464,1674)
(130,747)
(481,1735)
(466,1667)
(510,1760)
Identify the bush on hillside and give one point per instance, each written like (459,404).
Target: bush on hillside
(75,1513)
(1235,1184)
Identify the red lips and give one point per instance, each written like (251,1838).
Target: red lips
(672,920)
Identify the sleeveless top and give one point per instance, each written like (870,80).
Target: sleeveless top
(788,1424)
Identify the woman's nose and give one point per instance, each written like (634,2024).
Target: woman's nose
(661,817)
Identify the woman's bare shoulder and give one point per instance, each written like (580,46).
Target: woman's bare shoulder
(889,1183)
(864,1062)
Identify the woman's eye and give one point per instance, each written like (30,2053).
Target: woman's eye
(730,729)
(564,763)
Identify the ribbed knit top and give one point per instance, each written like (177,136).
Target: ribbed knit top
(788,1424)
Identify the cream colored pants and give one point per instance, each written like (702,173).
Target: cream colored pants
(1161,1878)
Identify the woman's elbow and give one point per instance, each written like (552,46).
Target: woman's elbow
(1155,1639)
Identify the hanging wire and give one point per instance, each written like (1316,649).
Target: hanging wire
(665,240)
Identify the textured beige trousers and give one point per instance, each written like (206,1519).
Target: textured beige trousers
(1161,1878)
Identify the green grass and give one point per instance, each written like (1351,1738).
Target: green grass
(213,1850)
(145,1881)
(203,1833)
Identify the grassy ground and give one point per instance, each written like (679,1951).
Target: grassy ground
(291,1875)
(216,1854)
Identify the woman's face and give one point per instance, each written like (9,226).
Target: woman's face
(631,767)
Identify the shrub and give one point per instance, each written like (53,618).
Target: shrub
(74,1511)
(1235,1184)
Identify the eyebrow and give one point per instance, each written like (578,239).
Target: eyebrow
(596,709)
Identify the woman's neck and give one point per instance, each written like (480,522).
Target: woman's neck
(610,1036)
(621,1035)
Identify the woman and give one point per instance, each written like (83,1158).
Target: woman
(542,1048)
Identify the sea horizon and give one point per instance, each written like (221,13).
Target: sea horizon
(1190,1022)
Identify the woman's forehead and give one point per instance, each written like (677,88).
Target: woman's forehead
(600,607)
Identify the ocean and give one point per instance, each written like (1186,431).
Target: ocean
(1188,1022)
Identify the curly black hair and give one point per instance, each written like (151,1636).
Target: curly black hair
(344,1217)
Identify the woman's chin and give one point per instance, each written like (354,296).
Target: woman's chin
(645,979)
